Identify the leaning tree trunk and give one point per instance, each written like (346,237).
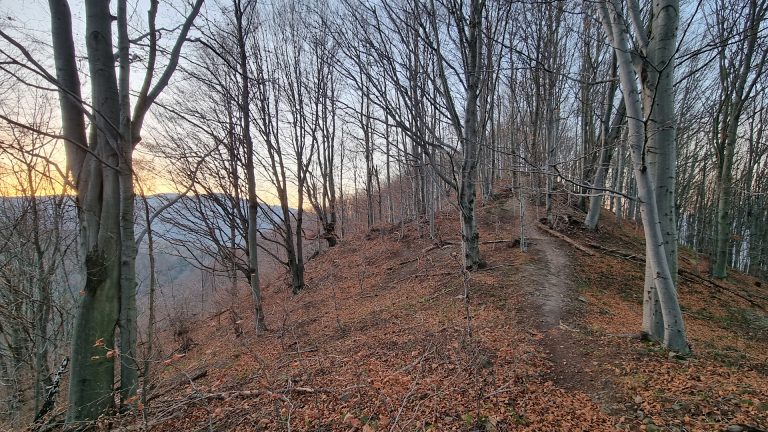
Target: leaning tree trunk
(674,336)
(608,136)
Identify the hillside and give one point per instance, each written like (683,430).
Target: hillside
(384,338)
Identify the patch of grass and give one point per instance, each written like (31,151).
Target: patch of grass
(704,314)
(517,418)
(583,284)
(747,322)
(729,358)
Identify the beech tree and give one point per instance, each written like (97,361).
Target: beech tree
(742,63)
(100,165)
(651,108)
(440,65)
(210,135)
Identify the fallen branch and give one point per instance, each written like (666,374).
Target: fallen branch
(151,425)
(308,350)
(427,249)
(496,241)
(688,275)
(216,315)
(693,277)
(405,262)
(617,253)
(53,389)
(280,394)
(178,380)
(566,239)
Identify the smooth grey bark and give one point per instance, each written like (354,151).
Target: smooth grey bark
(92,377)
(101,168)
(738,78)
(471,139)
(588,71)
(674,336)
(657,76)
(471,128)
(128,312)
(150,354)
(609,134)
(618,183)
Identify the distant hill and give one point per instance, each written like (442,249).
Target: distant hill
(181,232)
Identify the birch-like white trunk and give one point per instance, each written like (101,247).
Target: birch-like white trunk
(674,336)
(609,134)
(657,74)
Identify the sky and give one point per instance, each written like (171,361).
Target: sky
(29,22)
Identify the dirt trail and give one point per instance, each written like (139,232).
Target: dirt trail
(549,274)
(552,271)
(555,307)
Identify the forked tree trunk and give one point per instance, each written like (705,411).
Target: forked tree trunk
(93,370)
(674,336)
(101,168)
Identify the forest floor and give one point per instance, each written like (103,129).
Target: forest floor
(383,338)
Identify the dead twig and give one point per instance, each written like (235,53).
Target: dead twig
(178,380)
(566,239)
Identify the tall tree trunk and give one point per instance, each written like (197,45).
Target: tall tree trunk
(738,80)
(609,134)
(661,155)
(471,142)
(674,336)
(93,370)
(253,205)
(42,305)
(150,354)
(128,313)
(101,168)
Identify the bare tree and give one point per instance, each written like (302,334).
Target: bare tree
(660,289)
(742,60)
(37,233)
(100,164)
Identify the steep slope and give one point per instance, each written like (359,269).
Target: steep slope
(384,339)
